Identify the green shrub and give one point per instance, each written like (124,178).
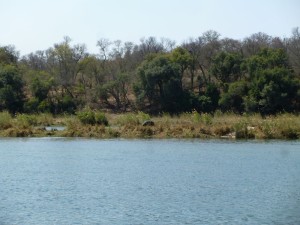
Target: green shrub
(128,119)
(196,116)
(269,128)
(88,116)
(5,120)
(206,118)
(100,118)
(25,120)
(143,116)
(242,130)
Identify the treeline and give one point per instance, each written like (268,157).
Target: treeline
(258,74)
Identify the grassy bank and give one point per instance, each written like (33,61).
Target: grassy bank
(129,125)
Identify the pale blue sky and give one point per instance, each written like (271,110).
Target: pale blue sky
(33,25)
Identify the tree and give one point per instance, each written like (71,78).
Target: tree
(202,50)
(117,66)
(65,61)
(194,47)
(117,89)
(160,84)
(231,46)
(226,67)
(40,86)
(267,58)
(211,47)
(11,89)
(183,58)
(274,90)
(8,55)
(293,49)
(104,45)
(255,43)
(150,45)
(35,61)
(233,99)
(273,86)
(269,86)
(207,100)
(90,76)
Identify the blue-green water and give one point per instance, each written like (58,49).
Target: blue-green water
(85,181)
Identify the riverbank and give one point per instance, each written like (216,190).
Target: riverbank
(130,125)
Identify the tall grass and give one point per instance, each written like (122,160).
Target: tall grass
(5,120)
(131,118)
(24,125)
(129,125)
(88,116)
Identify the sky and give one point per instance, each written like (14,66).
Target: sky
(32,25)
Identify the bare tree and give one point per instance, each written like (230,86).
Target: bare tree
(64,60)
(231,45)
(104,45)
(293,49)
(168,44)
(253,44)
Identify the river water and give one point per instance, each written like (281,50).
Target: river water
(87,181)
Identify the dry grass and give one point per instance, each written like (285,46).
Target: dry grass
(129,125)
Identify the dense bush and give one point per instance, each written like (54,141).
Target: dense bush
(11,89)
(100,118)
(88,116)
(5,120)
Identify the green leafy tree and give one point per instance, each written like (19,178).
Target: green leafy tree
(8,55)
(183,58)
(208,99)
(116,89)
(226,67)
(40,88)
(269,86)
(11,89)
(233,99)
(274,90)
(267,58)
(40,84)
(160,84)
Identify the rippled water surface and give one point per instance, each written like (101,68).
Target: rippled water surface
(80,181)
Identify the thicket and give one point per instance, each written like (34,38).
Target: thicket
(260,74)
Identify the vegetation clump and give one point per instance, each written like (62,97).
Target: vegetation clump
(88,116)
(5,120)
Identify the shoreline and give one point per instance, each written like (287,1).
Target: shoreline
(130,126)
